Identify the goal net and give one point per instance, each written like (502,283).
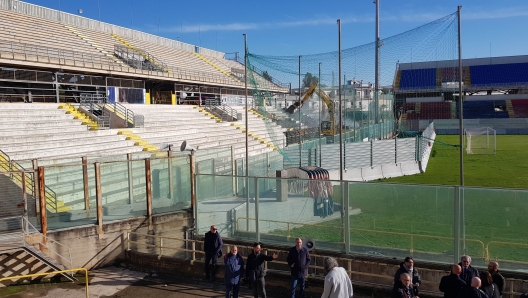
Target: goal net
(481,140)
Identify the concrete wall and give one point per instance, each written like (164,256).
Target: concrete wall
(91,250)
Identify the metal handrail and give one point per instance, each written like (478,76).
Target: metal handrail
(225,112)
(50,273)
(102,62)
(29,181)
(27,226)
(193,252)
(369,231)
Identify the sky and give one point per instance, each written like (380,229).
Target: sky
(290,28)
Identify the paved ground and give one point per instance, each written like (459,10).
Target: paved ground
(113,282)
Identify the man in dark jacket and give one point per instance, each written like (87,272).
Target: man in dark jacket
(468,272)
(452,284)
(299,261)
(213,249)
(403,288)
(408,267)
(498,279)
(234,270)
(473,291)
(255,269)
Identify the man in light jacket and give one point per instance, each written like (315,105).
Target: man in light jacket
(337,284)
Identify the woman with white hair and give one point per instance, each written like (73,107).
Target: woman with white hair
(337,284)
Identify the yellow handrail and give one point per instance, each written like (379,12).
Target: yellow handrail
(488,258)
(484,249)
(53,272)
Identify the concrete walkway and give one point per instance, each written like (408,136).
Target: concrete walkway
(113,282)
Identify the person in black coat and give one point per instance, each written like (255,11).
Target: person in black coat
(255,270)
(498,279)
(491,289)
(213,250)
(452,284)
(299,261)
(408,267)
(473,291)
(403,288)
(468,272)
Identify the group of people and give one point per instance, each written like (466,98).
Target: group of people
(337,283)
(464,281)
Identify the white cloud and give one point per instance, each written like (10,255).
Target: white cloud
(407,17)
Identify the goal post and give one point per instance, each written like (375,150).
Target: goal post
(480,140)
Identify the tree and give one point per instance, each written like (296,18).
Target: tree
(309,80)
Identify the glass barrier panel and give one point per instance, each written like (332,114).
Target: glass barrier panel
(495,218)
(222,209)
(300,208)
(139,191)
(206,184)
(115,189)
(395,220)
(65,199)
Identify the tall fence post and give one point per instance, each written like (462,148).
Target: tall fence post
(42,202)
(36,184)
(171,176)
(257,228)
(85,186)
(456,226)
(148,185)
(346,206)
(130,179)
(193,178)
(99,199)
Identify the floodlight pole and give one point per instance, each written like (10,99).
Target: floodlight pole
(376,70)
(460,103)
(246,93)
(340,103)
(300,125)
(460,193)
(320,110)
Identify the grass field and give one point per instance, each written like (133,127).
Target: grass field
(495,219)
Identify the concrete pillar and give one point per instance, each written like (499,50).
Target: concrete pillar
(282,185)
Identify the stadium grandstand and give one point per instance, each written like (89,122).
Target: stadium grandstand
(495,88)
(93,119)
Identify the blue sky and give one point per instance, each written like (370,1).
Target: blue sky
(307,27)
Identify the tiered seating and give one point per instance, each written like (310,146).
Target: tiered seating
(33,131)
(520,108)
(483,109)
(435,110)
(413,79)
(175,124)
(21,28)
(499,74)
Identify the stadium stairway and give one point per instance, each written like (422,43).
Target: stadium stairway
(92,43)
(167,124)
(216,66)
(509,109)
(35,131)
(141,52)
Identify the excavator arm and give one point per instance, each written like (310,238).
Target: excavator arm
(327,127)
(305,96)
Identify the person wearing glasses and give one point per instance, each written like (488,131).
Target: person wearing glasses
(213,250)
(468,272)
(403,288)
(407,266)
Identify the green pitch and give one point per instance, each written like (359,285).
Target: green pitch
(419,219)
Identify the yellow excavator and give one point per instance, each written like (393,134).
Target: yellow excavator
(328,128)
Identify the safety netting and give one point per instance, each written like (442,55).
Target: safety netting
(414,66)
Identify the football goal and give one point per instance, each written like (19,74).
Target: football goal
(480,140)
